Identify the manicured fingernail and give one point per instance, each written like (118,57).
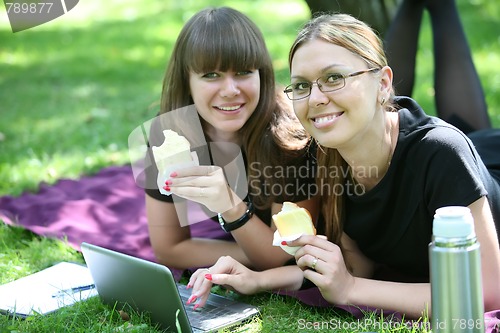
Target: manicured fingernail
(283,243)
(196,306)
(173,174)
(166,188)
(189,286)
(168,182)
(208,277)
(191,299)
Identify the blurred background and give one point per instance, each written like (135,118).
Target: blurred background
(73,89)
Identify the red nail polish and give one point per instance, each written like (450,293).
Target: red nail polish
(166,188)
(168,182)
(191,299)
(196,306)
(189,286)
(283,243)
(173,174)
(208,277)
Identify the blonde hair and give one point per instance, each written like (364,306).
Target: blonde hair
(357,37)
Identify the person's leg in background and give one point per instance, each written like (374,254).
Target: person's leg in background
(460,98)
(458,92)
(401,44)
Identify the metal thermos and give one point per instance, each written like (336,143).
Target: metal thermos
(455,273)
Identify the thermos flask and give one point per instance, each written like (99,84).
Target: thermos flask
(455,273)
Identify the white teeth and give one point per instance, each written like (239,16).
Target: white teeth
(229,108)
(321,120)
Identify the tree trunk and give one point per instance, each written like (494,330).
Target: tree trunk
(377,13)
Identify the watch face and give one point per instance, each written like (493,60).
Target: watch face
(222,222)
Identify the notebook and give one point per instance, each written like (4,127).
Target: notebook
(151,288)
(47,290)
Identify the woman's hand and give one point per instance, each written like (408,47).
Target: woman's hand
(323,264)
(205,184)
(226,272)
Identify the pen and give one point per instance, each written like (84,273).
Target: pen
(73,290)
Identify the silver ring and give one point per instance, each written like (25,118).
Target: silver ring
(313,265)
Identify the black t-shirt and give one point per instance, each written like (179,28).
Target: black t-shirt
(434,165)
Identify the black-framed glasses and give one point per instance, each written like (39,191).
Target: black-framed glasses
(326,83)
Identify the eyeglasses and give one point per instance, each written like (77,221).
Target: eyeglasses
(327,83)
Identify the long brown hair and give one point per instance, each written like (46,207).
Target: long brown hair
(356,36)
(225,39)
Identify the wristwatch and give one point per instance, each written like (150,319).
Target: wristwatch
(228,227)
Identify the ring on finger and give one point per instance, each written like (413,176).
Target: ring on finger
(313,265)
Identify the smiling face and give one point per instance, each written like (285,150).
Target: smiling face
(225,100)
(342,117)
(220,62)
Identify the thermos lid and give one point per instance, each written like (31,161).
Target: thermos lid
(453,222)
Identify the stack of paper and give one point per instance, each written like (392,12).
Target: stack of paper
(48,290)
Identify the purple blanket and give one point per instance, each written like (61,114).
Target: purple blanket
(107,209)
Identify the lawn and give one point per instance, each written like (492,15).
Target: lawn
(73,89)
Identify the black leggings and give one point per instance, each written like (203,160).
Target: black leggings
(459,96)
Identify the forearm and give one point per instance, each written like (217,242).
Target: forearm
(198,252)
(412,299)
(230,273)
(280,278)
(173,245)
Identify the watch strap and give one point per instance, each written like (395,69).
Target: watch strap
(228,227)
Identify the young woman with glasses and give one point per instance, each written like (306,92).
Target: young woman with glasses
(409,164)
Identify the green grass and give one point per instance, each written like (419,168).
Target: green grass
(22,253)
(73,89)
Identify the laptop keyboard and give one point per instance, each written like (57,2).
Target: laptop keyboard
(206,313)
